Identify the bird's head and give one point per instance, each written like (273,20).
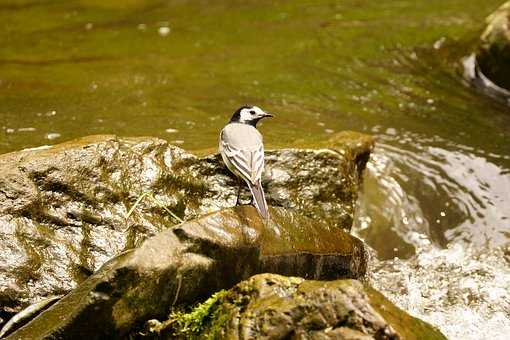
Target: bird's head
(249,115)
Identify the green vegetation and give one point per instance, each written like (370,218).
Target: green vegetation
(191,325)
(160,204)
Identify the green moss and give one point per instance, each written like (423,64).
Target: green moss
(205,316)
(215,329)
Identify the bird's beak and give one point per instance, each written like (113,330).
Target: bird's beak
(267,114)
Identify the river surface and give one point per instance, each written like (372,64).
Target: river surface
(435,205)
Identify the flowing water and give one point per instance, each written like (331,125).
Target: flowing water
(436,200)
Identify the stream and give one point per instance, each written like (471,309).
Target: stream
(435,205)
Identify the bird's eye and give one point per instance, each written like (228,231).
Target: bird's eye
(252,112)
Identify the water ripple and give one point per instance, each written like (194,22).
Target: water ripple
(447,194)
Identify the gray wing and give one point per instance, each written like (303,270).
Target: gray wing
(246,157)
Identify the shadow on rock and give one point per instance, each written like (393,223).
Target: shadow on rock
(189,262)
(63,208)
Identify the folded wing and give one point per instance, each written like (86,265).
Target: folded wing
(247,161)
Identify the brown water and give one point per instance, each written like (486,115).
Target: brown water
(440,175)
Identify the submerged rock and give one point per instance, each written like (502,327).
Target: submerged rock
(493,55)
(269,306)
(63,208)
(189,262)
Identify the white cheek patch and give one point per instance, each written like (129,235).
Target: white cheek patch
(245,115)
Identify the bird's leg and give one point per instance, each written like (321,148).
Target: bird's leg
(239,183)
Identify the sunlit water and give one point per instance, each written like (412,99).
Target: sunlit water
(439,226)
(437,189)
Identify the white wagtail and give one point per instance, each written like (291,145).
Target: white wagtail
(243,152)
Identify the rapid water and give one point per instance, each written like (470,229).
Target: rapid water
(441,238)
(436,193)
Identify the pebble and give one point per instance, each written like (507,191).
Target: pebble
(164,31)
(52,135)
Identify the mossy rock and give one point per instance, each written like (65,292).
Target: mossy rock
(269,306)
(63,208)
(493,55)
(191,261)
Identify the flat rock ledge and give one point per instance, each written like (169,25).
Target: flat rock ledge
(269,306)
(189,262)
(63,208)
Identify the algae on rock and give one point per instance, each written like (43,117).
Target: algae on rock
(191,261)
(63,208)
(269,306)
(190,325)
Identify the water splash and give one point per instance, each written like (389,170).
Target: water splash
(438,219)
(463,291)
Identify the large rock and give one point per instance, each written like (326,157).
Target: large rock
(493,56)
(63,208)
(189,262)
(269,306)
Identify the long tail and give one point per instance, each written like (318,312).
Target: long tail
(259,199)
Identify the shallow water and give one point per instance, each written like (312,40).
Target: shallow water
(439,177)
(438,222)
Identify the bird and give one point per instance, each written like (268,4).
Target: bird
(242,151)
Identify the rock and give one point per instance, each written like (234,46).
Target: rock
(493,55)
(63,208)
(269,306)
(187,263)
(27,314)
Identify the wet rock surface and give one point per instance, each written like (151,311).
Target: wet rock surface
(493,55)
(63,208)
(26,315)
(269,306)
(189,262)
